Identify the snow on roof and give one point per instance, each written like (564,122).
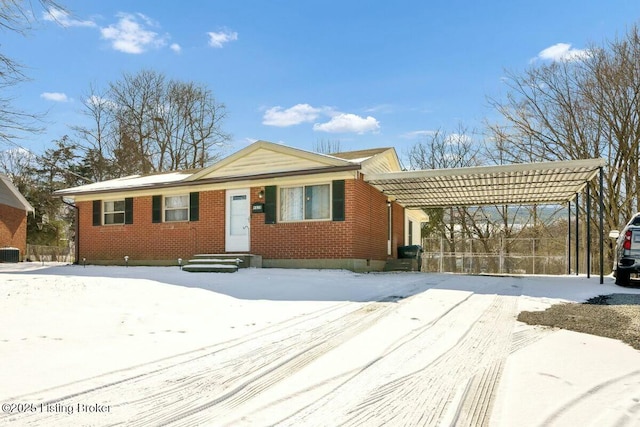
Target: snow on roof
(142,181)
(10,196)
(131,181)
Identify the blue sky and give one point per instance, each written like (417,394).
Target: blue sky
(367,74)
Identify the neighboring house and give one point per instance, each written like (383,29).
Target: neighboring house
(13,217)
(291,207)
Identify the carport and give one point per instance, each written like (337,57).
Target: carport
(516,184)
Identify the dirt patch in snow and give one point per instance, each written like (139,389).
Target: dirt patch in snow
(614,316)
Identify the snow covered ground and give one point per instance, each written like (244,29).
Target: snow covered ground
(146,346)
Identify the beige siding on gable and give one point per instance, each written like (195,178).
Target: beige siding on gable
(381,163)
(264,161)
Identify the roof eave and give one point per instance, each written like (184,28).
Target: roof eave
(216,180)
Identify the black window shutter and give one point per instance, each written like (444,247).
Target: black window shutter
(128,210)
(194,206)
(97,212)
(270,205)
(338,200)
(156,209)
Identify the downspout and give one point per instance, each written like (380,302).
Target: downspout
(588,198)
(76,237)
(390,229)
(577,236)
(569,236)
(600,196)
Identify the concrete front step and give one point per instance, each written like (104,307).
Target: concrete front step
(248,260)
(236,261)
(222,263)
(210,268)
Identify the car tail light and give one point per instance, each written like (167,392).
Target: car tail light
(627,240)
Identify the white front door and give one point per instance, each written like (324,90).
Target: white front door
(237,220)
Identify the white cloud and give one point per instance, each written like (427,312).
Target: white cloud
(382,108)
(345,122)
(54,96)
(418,134)
(130,34)
(96,100)
(175,47)
(63,19)
(562,52)
(305,113)
(219,39)
(300,113)
(458,139)
(99,102)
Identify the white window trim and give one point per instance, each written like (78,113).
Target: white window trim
(105,213)
(303,204)
(165,209)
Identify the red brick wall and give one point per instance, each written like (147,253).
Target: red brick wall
(363,235)
(398,229)
(371,223)
(13,228)
(144,240)
(302,240)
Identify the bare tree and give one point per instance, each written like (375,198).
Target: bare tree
(588,107)
(16,164)
(97,141)
(327,146)
(36,177)
(488,229)
(137,102)
(16,16)
(144,123)
(189,127)
(440,150)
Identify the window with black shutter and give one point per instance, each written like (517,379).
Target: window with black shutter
(270,206)
(338,200)
(194,206)
(97,212)
(156,209)
(128,210)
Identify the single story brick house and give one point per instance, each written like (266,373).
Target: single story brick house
(14,209)
(291,207)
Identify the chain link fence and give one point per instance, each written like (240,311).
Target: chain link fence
(42,253)
(495,256)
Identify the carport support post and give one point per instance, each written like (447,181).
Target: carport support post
(441,260)
(588,231)
(569,237)
(390,230)
(577,238)
(601,227)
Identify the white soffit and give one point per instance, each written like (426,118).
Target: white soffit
(516,184)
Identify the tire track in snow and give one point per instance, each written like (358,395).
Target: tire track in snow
(397,345)
(485,348)
(135,372)
(132,375)
(622,412)
(322,340)
(432,394)
(217,382)
(527,335)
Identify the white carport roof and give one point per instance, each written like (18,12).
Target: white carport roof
(516,184)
